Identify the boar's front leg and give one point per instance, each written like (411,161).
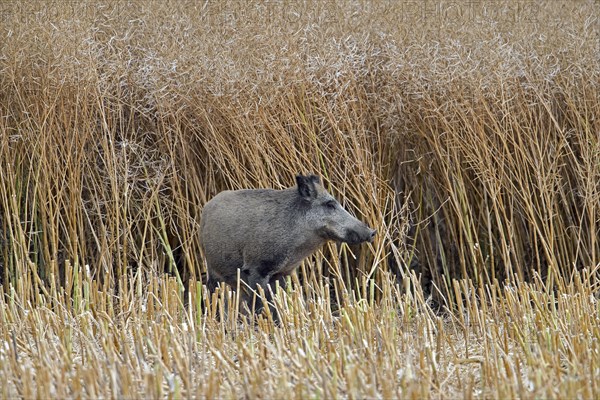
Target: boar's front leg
(278,279)
(254,280)
(262,275)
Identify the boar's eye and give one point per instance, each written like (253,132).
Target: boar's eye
(331,205)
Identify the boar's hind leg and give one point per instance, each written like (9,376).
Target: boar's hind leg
(211,284)
(212,280)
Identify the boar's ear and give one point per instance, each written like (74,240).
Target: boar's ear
(306,186)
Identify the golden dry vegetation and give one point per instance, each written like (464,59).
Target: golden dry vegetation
(467,133)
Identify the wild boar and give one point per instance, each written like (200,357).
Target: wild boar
(266,233)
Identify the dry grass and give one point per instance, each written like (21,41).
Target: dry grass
(508,342)
(467,133)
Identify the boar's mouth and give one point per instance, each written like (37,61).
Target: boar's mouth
(350,236)
(354,237)
(329,235)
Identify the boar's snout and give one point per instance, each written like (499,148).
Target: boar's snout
(364,234)
(371,235)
